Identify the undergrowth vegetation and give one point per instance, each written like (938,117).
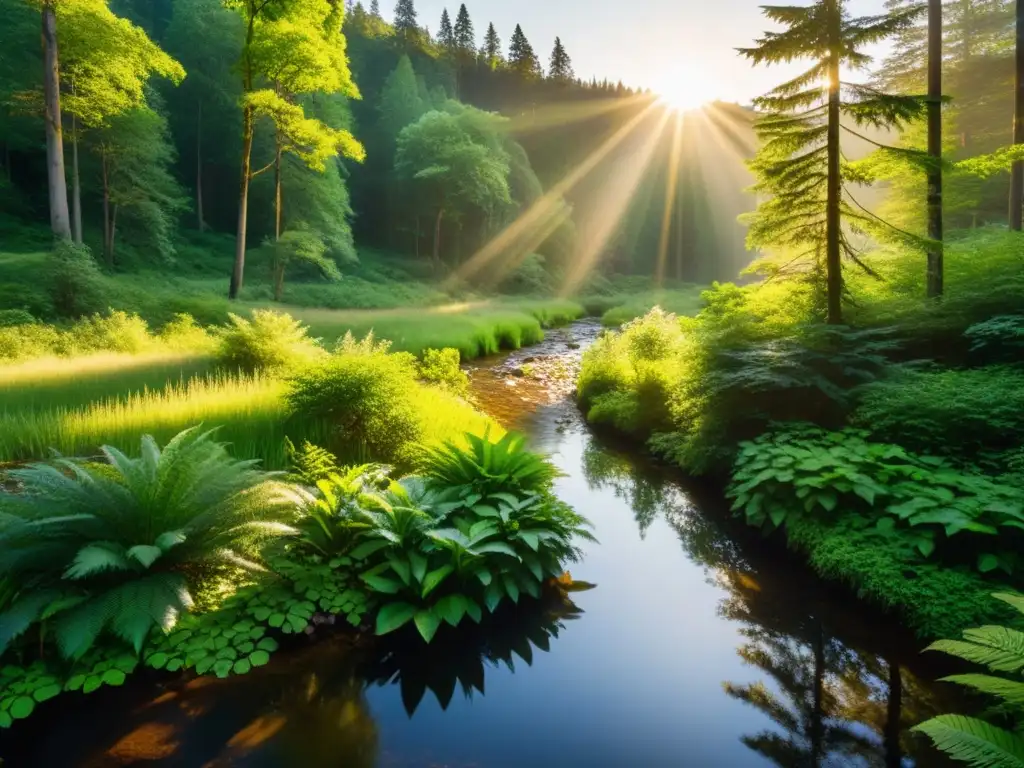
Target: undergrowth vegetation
(188,558)
(881,448)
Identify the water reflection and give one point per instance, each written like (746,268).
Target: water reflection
(833,689)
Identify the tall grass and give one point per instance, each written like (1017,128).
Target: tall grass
(475,329)
(250,412)
(56,382)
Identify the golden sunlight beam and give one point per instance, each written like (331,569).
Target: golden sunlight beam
(548,206)
(558,115)
(671,182)
(610,208)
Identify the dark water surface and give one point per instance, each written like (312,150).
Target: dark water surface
(699,646)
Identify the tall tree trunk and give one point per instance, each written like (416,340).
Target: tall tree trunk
(113,235)
(60,221)
(893,753)
(934,278)
(243,203)
(76,186)
(277,187)
(108,229)
(248,126)
(1017,175)
(833,223)
(437,241)
(199,167)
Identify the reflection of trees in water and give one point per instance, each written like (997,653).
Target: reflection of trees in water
(308,708)
(834,693)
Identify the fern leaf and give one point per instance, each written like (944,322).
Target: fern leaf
(1017,601)
(22,613)
(1001,649)
(94,558)
(974,741)
(1009,690)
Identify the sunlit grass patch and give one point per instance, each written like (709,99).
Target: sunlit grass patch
(622,309)
(444,417)
(249,410)
(476,329)
(60,382)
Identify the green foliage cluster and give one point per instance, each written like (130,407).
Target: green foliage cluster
(999,339)
(786,474)
(197,561)
(970,414)
(972,740)
(118,549)
(367,398)
(270,341)
(442,367)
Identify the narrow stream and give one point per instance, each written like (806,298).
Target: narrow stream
(699,646)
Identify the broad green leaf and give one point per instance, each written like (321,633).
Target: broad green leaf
(987,562)
(367,548)
(427,622)
(394,615)
(419,566)
(433,579)
(451,608)
(382,584)
(22,707)
(145,554)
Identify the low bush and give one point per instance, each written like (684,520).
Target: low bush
(270,341)
(24,342)
(74,280)
(184,334)
(365,399)
(787,474)
(442,367)
(972,414)
(15,317)
(999,339)
(114,331)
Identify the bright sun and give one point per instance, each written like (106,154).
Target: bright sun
(686,91)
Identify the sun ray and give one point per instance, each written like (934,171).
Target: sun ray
(547,205)
(558,115)
(671,183)
(611,209)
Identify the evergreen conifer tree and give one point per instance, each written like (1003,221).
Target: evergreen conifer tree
(491,50)
(405,19)
(445,34)
(560,68)
(375,8)
(799,165)
(465,37)
(521,57)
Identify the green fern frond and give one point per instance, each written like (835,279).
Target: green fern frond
(1001,649)
(1010,691)
(974,741)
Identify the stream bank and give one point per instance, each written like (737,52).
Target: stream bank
(697,647)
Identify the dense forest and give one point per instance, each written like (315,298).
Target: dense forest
(350,116)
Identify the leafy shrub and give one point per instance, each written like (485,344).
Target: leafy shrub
(184,334)
(119,549)
(23,342)
(115,331)
(365,398)
(15,317)
(969,739)
(74,280)
(999,339)
(483,466)
(966,413)
(270,341)
(785,475)
(441,367)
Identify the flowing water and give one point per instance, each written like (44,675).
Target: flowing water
(699,646)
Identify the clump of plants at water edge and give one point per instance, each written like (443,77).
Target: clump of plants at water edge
(972,740)
(187,559)
(441,367)
(802,470)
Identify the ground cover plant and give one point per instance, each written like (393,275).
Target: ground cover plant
(186,558)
